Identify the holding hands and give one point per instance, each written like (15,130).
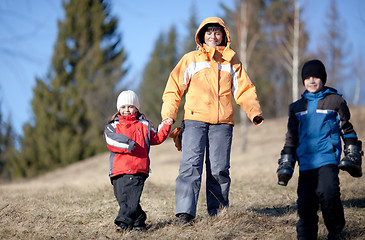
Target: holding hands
(168,121)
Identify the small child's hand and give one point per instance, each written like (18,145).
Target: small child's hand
(168,121)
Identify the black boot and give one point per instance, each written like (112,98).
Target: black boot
(351,163)
(285,169)
(184,219)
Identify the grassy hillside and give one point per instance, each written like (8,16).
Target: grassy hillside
(77,202)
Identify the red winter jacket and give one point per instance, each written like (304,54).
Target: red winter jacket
(129,140)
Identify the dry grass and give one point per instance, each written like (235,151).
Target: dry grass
(77,202)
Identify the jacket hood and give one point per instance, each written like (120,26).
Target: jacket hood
(128,118)
(212,20)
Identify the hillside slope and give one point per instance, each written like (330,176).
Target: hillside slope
(77,202)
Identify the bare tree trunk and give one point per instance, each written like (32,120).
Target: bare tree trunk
(358,67)
(243,54)
(295,62)
(357,90)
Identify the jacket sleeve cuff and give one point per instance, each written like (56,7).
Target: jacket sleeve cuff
(350,141)
(288,150)
(131,146)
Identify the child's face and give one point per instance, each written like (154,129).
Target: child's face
(213,38)
(313,84)
(127,110)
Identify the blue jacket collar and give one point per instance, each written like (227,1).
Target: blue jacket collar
(321,94)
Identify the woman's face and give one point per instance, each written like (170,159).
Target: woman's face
(213,38)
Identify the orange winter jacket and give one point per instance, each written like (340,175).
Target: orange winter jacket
(210,76)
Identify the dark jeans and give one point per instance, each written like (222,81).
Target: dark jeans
(319,187)
(128,190)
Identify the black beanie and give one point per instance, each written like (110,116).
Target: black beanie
(314,68)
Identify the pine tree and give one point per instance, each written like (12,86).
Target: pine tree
(72,105)
(163,60)
(190,44)
(7,147)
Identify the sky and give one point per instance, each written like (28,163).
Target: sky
(28,31)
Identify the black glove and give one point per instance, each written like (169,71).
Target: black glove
(258,120)
(351,163)
(285,169)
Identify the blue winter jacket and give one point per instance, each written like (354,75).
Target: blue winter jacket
(316,124)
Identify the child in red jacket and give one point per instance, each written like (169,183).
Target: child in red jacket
(129,136)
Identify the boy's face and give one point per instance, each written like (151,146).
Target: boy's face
(213,38)
(127,110)
(313,84)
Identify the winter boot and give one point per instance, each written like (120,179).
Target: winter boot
(184,219)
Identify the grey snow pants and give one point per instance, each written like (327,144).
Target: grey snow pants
(215,140)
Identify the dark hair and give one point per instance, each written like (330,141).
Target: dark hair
(212,27)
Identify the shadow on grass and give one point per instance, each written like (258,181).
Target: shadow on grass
(278,211)
(353,233)
(275,211)
(159,225)
(354,203)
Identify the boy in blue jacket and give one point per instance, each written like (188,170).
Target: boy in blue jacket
(316,124)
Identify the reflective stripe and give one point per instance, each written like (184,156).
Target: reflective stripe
(191,69)
(114,143)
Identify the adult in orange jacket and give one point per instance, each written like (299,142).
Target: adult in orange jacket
(210,76)
(129,136)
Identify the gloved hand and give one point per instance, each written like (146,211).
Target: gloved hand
(258,120)
(285,169)
(351,163)
(176,136)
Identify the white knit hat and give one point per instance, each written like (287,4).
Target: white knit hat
(127,98)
